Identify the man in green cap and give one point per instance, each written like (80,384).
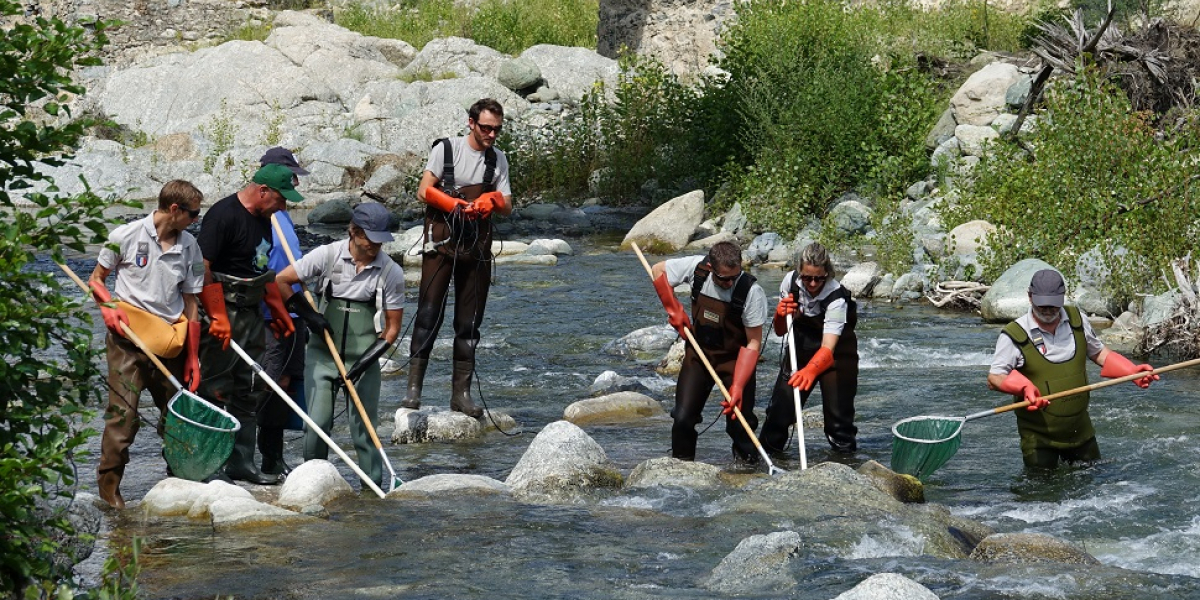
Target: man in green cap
(236,240)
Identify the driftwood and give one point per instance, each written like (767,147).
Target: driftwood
(1180,333)
(958,294)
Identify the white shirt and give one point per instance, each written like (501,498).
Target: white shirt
(348,283)
(810,306)
(469,165)
(681,270)
(149,277)
(1058,345)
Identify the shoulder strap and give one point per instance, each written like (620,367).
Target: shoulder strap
(489,167)
(1018,334)
(699,276)
(324,287)
(447,179)
(1074,318)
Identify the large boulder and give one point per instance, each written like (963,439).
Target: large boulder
(982,97)
(572,71)
(666,471)
(438,425)
(445,484)
(669,227)
(314,483)
(1026,548)
(759,563)
(237,513)
(563,464)
(613,408)
(887,586)
(965,242)
(682,35)
(1008,298)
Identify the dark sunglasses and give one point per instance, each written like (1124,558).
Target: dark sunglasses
(490,128)
(191,213)
(813,278)
(725,278)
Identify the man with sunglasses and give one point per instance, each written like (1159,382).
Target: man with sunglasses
(236,239)
(465,182)
(728,310)
(1046,352)
(159,270)
(824,315)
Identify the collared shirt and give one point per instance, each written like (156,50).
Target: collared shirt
(681,270)
(1057,346)
(810,306)
(348,283)
(149,277)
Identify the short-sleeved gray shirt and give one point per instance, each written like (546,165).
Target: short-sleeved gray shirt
(681,270)
(1059,344)
(347,282)
(810,306)
(149,277)
(469,165)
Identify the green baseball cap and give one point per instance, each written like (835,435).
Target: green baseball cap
(278,178)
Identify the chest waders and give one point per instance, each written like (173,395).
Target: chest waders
(353,325)
(228,381)
(839,384)
(1063,428)
(459,250)
(719,331)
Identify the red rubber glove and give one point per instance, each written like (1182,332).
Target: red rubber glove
(1119,366)
(743,372)
(787,306)
(435,197)
(281,321)
(191,365)
(483,206)
(212,298)
(1017,384)
(805,378)
(113,316)
(676,316)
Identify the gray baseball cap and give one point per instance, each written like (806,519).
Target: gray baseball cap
(1047,288)
(375,220)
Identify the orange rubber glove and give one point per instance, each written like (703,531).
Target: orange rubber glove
(281,321)
(113,316)
(1119,366)
(435,197)
(787,306)
(191,365)
(483,206)
(1017,384)
(212,298)
(805,378)
(676,316)
(743,372)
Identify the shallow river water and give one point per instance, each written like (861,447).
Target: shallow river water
(1137,511)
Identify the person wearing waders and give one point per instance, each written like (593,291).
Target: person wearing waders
(353,281)
(1043,353)
(465,182)
(283,358)
(729,310)
(159,270)
(236,239)
(824,315)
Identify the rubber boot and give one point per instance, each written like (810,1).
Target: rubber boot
(270,445)
(416,379)
(109,483)
(460,394)
(240,466)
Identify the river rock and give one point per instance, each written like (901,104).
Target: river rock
(851,217)
(982,97)
(528,260)
(450,484)
(174,497)
(703,245)
(614,408)
(213,491)
(645,340)
(672,363)
(966,240)
(900,486)
(610,382)
(888,586)
(1026,548)
(669,227)
(314,483)
(237,513)
(1157,309)
(973,140)
(416,426)
(332,212)
(1008,298)
(666,471)
(518,74)
(759,563)
(458,56)
(508,248)
(83,513)
(556,247)
(941,131)
(561,465)
(860,280)
(572,71)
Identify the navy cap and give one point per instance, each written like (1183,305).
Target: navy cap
(1047,288)
(374,219)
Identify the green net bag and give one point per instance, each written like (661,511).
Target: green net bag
(923,444)
(198,437)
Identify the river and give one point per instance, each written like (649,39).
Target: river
(543,334)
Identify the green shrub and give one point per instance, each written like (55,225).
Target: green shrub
(414,21)
(552,161)
(1098,178)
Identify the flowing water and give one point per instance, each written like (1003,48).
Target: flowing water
(1137,511)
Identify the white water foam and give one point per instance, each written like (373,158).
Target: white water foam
(1173,552)
(877,353)
(1113,501)
(901,542)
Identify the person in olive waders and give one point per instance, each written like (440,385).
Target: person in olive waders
(1044,352)
(235,237)
(728,310)
(824,315)
(465,183)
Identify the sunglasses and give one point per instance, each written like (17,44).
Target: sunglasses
(813,278)
(191,213)
(725,278)
(490,128)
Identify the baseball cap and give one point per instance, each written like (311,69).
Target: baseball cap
(282,156)
(1047,288)
(374,219)
(278,178)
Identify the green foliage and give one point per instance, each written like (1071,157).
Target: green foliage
(120,573)
(250,31)
(551,161)
(221,132)
(1097,179)
(46,377)
(508,27)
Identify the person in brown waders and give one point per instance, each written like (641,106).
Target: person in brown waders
(728,310)
(159,270)
(465,182)
(825,315)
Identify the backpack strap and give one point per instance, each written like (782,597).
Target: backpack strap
(447,178)
(741,289)
(489,168)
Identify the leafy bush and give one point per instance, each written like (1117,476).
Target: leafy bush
(551,161)
(1097,178)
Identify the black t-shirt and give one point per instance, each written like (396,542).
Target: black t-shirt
(234,241)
